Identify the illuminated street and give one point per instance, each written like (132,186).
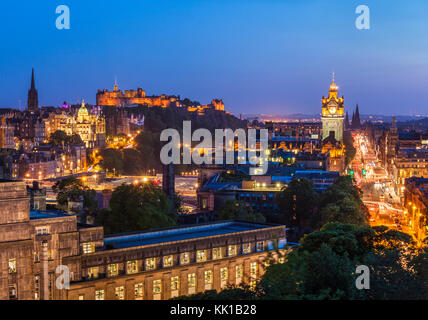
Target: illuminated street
(377,186)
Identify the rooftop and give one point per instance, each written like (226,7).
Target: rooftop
(36,214)
(182,233)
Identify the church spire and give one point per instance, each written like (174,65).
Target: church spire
(357,117)
(33,99)
(32,79)
(115,84)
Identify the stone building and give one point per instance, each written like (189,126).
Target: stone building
(90,127)
(151,265)
(333,114)
(119,98)
(216,104)
(409,163)
(37,197)
(416,204)
(6,135)
(332,128)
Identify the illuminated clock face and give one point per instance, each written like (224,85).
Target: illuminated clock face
(332,107)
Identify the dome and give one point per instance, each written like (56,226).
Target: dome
(83,112)
(333,86)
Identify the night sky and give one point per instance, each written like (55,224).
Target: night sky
(264,56)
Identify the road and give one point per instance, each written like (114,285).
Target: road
(378,191)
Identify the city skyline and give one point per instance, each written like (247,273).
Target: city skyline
(206,50)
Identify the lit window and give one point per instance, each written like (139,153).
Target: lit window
(260,246)
(119,293)
(81,297)
(191,280)
(253,269)
(138,291)
(12,265)
(42,230)
(281,260)
(168,261)
(36,287)
(223,274)
(99,294)
(150,264)
(253,284)
(132,266)
(208,277)
(246,248)
(12,292)
(113,269)
(157,286)
(88,247)
(217,253)
(175,283)
(185,258)
(36,257)
(93,272)
(201,255)
(239,271)
(232,250)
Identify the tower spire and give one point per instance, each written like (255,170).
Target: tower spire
(33,100)
(32,79)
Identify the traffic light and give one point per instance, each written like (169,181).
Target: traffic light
(351,173)
(364,172)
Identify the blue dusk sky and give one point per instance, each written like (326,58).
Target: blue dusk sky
(259,56)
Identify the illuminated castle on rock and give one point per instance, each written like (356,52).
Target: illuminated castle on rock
(119,98)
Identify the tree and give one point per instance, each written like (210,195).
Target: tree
(137,207)
(148,144)
(341,202)
(239,210)
(112,160)
(345,210)
(132,162)
(74,139)
(297,203)
(58,137)
(71,187)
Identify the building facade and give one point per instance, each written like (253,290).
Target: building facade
(151,265)
(119,98)
(416,204)
(90,127)
(333,114)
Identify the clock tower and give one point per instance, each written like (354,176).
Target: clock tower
(332,114)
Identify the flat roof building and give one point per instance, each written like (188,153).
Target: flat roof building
(154,264)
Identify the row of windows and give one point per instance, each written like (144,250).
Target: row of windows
(174,283)
(132,266)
